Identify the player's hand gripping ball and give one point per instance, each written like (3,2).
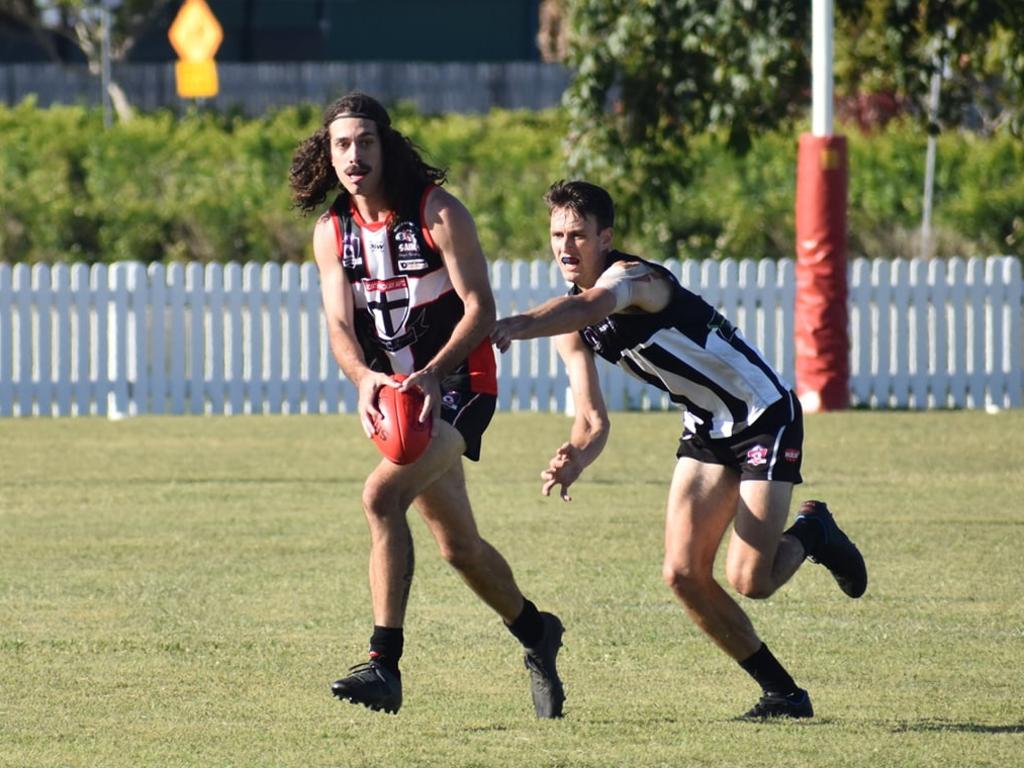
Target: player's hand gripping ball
(399,435)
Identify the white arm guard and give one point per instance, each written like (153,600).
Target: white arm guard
(619,278)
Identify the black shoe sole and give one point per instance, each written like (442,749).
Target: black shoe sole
(802,710)
(389,709)
(777,718)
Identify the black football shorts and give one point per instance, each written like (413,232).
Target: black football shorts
(469,412)
(769,449)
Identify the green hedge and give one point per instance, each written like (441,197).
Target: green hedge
(209,186)
(744,207)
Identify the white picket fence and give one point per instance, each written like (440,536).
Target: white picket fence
(211,339)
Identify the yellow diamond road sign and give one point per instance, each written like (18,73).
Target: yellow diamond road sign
(196,79)
(195,33)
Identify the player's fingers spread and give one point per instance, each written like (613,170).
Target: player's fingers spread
(431,409)
(546,488)
(435,420)
(373,406)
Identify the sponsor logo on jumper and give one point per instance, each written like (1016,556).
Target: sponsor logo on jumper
(791,454)
(405,232)
(595,335)
(757,456)
(412,265)
(408,242)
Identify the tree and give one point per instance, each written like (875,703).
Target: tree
(81,23)
(652,75)
(893,47)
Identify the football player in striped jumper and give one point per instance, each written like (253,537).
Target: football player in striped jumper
(740,452)
(405,289)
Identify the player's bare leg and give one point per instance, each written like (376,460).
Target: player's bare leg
(389,491)
(446,509)
(387,494)
(703,499)
(761,558)
(702,503)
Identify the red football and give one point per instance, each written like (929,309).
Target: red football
(400,436)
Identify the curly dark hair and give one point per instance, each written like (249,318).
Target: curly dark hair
(405,173)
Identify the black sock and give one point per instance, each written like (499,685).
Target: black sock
(768,673)
(386,645)
(808,532)
(527,627)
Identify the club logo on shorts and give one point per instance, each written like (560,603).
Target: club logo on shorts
(451,400)
(757,456)
(791,454)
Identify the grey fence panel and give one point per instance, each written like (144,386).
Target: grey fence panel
(258,87)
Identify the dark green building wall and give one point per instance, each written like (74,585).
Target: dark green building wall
(341,30)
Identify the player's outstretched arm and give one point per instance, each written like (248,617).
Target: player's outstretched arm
(591,426)
(564,314)
(623,285)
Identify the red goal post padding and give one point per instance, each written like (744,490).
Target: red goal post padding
(822,339)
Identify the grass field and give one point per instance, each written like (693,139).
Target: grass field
(181,592)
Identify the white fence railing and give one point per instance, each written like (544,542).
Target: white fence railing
(129,339)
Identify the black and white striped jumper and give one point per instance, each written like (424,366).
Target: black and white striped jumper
(693,353)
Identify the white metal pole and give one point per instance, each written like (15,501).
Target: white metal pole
(821,67)
(105,61)
(929,166)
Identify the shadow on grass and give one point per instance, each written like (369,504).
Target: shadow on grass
(933,726)
(493,728)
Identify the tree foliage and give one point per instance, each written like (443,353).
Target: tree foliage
(893,47)
(81,23)
(652,75)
